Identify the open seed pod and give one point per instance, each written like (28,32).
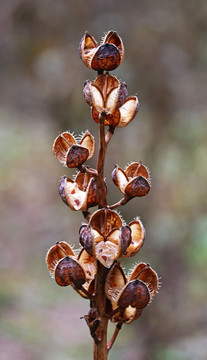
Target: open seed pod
(68,269)
(146,274)
(73,154)
(134,294)
(130,297)
(55,254)
(132,182)
(105,238)
(79,194)
(122,115)
(107,56)
(105,94)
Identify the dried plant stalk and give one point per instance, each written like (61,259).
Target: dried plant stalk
(96,273)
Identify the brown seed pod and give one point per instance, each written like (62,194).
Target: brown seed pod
(106,56)
(105,94)
(71,154)
(62,144)
(55,253)
(145,273)
(135,294)
(79,194)
(69,271)
(132,182)
(122,115)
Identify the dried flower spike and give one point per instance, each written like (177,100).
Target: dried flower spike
(107,56)
(71,154)
(95,273)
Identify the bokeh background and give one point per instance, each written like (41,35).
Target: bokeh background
(41,81)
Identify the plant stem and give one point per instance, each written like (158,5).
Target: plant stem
(102,199)
(114,336)
(99,302)
(100,349)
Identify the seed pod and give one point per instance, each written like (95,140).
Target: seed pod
(69,271)
(122,115)
(135,294)
(106,56)
(105,94)
(145,273)
(134,181)
(79,194)
(71,154)
(56,253)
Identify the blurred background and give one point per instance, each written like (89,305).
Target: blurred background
(41,82)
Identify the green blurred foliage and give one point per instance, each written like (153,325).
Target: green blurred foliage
(41,93)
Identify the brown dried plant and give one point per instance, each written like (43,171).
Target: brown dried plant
(96,274)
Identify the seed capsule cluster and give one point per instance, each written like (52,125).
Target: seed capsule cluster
(105,238)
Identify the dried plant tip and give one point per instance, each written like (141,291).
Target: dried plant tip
(106,56)
(71,154)
(69,271)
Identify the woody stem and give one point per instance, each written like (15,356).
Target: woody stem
(99,301)
(114,336)
(102,199)
(100,348)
